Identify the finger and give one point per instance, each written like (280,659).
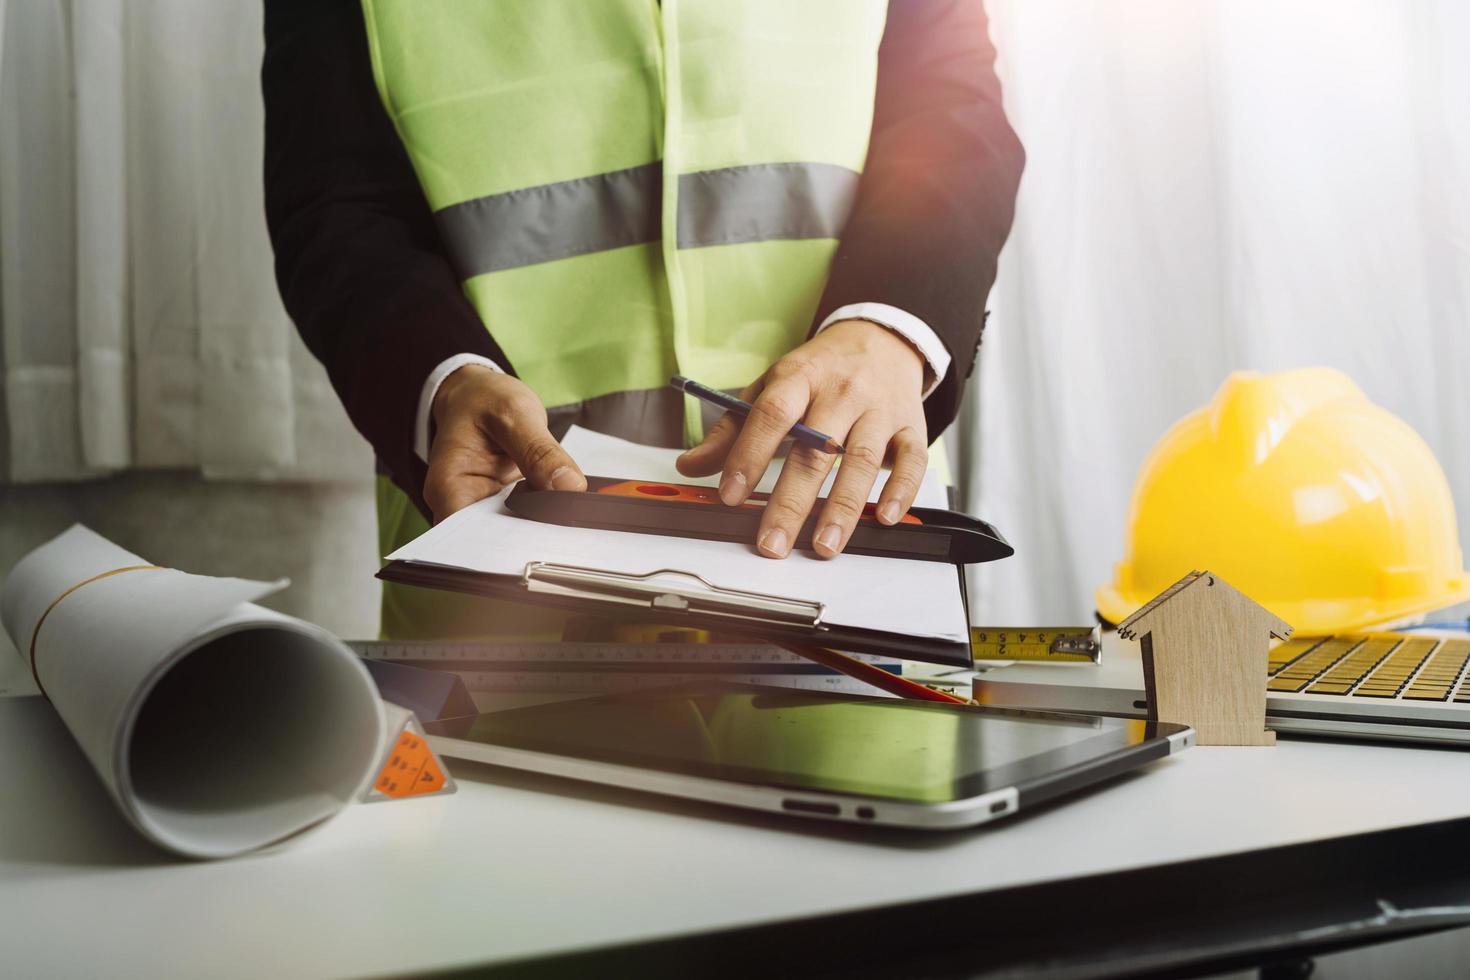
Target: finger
(779,406)
(505,471)
(802,476)
(861,464)
(910,462)
(459,491)
(458,476)
(522,433)
(709,456)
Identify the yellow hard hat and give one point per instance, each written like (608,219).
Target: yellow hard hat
(1295,488)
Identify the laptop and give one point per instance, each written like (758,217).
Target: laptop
(1411,687)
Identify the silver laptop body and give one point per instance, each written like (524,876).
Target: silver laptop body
(1397,687)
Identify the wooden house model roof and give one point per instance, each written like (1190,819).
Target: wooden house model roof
(1200,587)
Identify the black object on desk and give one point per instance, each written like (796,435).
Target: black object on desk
(676,510)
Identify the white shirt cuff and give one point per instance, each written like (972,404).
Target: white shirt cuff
(906,325)
(431,388)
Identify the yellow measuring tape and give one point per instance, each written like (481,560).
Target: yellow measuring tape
(1057,644)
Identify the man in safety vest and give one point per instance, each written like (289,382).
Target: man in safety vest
(493,220)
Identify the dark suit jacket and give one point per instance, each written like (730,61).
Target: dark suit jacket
(365,278)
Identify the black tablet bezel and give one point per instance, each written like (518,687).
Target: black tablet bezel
(1123,744)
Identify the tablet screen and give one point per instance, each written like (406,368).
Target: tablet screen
(890,748)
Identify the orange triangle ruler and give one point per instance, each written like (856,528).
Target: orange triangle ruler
(409,767)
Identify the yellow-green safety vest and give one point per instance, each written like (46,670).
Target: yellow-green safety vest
(629,190)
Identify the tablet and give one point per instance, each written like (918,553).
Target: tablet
(867,760)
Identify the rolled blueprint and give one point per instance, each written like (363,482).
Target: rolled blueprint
(217,726)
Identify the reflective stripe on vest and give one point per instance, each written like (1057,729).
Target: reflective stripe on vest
(757,203)
(632,189)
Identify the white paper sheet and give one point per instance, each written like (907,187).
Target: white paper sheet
(913,598)
(217,726)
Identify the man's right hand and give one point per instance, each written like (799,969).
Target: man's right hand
(489,430)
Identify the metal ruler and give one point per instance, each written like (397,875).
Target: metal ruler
(542,655)
(590,667)
(596,681)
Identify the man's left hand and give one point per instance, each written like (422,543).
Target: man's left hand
(858,382)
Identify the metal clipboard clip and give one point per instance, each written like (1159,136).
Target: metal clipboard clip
(669,590)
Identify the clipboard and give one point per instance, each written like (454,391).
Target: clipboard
(681,599)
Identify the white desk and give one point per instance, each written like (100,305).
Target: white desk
(514,866)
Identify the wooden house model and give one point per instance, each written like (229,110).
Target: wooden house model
(1205,650)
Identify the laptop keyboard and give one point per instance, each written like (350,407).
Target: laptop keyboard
(1373,665)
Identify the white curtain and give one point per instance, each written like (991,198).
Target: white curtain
(1211,186)
(138,313)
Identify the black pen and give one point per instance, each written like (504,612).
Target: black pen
(803,434)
